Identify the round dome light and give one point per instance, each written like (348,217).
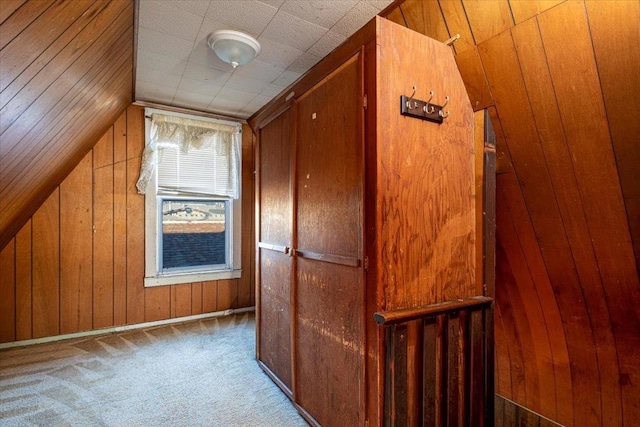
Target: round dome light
(233,47)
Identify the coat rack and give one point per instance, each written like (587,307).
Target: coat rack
(425,110)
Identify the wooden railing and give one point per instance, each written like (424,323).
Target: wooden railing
(438,359)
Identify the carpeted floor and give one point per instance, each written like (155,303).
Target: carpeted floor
(200,373)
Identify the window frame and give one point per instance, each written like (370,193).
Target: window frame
(154,276)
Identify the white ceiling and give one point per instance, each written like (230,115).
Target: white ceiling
(176,67)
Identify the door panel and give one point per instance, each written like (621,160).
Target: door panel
(329,164)
(329,342)
(275,314)
(329,290)
(274,236)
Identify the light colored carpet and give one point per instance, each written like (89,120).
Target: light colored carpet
(200,373)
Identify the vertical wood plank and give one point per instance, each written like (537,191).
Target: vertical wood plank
(442,370)
(516,387)
(46,268)
(120,243)
(248,238)
(23,283)
(540,89)
(429,383)
(135,219)
(157,303)
(523,10)
(475,81)
(503,384)
(8,293)
(453,369)
(395,15)
(120,138)
(196,298)
(227,294)
(487,18)
(76,249)
(614,28)
(518,125)
(589,139)
(457,23)
(426,18)
(103,150)
(135,132)
(209,296)
(181,300)
(478,130)
(103,246)
(476,355)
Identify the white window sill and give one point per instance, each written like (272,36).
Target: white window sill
(175,279)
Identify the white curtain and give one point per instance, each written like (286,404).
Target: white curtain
(178,144)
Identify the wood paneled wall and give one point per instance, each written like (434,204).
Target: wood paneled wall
(560,79)
(63,65)
(78,262)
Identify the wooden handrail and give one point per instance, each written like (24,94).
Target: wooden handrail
(407,314)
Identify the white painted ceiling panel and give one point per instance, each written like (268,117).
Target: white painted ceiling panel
(176,67)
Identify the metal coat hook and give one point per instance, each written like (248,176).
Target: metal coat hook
(446,114)
(426,108)
(411,98)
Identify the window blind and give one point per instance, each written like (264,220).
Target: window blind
(192,157)
(199,171)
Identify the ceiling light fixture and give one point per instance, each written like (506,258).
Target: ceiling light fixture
(233,47)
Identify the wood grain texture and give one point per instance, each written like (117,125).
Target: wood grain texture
(509,92)
(136,304)
(589,139)
(478,146)
(103,150)
(8,7)
(227,294)
(120,243)
(523,10)
(329,316)
(46,267)
(196,298)
(330,215)
(475,81)
(66,61)
(457,23)
(181,300)
(425,17)
(613,27)
(76,246)
(73,265)
(487,18)
(8,292)
(103,236)
(23,283)
(568,195)
(411,193)
(274,200)
(246,281)
(331,170)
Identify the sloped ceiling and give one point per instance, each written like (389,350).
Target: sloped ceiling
(560,79)
(66,73)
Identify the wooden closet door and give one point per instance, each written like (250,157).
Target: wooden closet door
(274,243)
(329,292)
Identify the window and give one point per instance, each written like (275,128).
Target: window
(191,180)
